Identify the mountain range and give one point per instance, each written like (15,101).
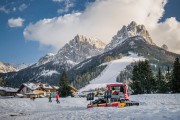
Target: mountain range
(6,67)
(48,67)
(157,56)
(84,58)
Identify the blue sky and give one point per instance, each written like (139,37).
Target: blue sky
(13,46)
(21,21)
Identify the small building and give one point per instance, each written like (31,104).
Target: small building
(48,89)
(8,91)
(73,89)
(36,89)
(31,89)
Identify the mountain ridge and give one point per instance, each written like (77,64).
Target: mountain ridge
(82,57)
(6,67)
(129,31)
(48,67)
(153,53)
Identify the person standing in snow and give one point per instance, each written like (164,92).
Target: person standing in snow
(50,96)
(57,98)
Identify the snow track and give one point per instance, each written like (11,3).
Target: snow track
(113,69)
(110,73)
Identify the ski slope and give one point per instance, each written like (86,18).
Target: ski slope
(110,73)
(152,107)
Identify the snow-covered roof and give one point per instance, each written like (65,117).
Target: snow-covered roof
(56,87)
(9,89)
(32,86)
(47,86)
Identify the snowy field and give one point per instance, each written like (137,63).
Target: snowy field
(152,107)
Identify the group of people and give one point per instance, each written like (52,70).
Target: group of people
(57,98)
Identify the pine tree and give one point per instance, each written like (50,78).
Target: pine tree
(147,77)
(161,83)
(64,88)
(168,79)
(136,83)
(175,83)
(142,79)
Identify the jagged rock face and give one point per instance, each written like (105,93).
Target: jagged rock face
(165,47)
(45,59)
(129,31)
(5,68)
(48,68)
(92,41)
(79,49)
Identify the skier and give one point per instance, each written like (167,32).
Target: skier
(57,98)
(50,96)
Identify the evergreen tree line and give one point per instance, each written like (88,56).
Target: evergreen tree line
(126,74)
(83,79)
(79,82)
(110,58)
(145,81)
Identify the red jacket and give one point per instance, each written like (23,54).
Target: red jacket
(57,96)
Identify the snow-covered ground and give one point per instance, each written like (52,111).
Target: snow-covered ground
(110,73)
(152,107)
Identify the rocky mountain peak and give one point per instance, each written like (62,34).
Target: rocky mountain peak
(125,32)
(45,59)
(79,38)
(132,26)
(164,46)
(95,42)
(6,67)
(73,52)
(79,49)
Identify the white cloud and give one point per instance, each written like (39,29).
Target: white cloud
(66,9)
(57,38)
(22,7)
(58,0)
(15,22)
(102,19)
(68,5)
(14,9)
(62,10)
(3,9)
(168,32)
